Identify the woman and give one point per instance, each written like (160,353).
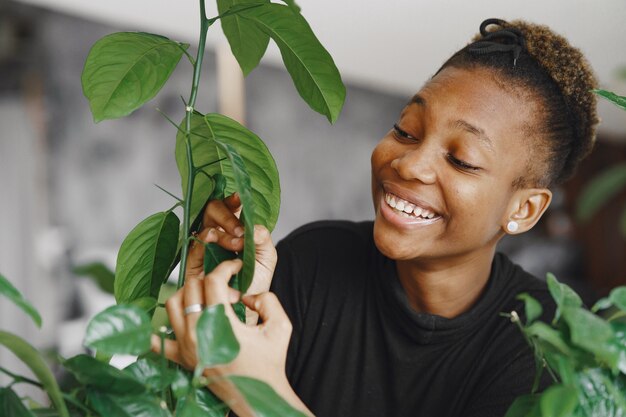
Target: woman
(401,317)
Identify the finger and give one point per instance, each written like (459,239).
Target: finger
(268,306)
(195,258)
(265,250)
(216,290)
(171,347)
(229,242)
(233,202)
(192,295)
(217,214)
(174,308)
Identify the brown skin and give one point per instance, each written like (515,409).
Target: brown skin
(444,266)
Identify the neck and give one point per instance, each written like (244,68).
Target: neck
(447,287)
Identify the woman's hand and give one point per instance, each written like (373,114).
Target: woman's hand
(221,225)
(263,348)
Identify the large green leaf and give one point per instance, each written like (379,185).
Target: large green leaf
(145,257)
(99,272)
(127,405)
(547,335)
(257,159)
(600,190)
(11,405)
(201,403)
(121,329)
(93,373)
(563,295)
(247,42)
(619,101)
(217,344)
(558,401)
(311,67)
(7,289)
(33,359)
(248,210)
(124,70)
(151,373)
(263,400)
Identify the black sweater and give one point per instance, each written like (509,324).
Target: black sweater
(359,349)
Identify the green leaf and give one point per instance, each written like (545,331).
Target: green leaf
(262,399)
(546,334)
(214,254)
(217,344)
(147,304)
(247,42)
(181,384)
(532,306)
(248,209)
(219,192)
(99,272)
(91,372)
(33,359)
(525,406)
(126,69)
(145,257)
(618,297)
(601,304)
(151,374)
(11,405)
(7,289)
(121,329)
(563,295)
(619,101)
(126,405)
(311,67)
(201,403)
(257,159)
(600,190)
(593,334)
(558,401)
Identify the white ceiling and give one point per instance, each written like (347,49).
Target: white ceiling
(395,45)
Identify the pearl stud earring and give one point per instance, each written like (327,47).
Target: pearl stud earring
(512,226)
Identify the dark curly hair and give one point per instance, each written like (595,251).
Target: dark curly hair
(547,66)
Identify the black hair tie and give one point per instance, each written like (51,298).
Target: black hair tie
(501,40)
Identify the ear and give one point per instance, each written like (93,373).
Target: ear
(526,208)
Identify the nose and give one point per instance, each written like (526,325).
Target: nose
(416,164)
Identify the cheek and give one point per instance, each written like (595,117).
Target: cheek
(478,206)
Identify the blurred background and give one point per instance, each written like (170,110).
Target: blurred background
(71,190)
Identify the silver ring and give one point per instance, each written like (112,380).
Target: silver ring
(194,308)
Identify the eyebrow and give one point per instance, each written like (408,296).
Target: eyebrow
(476,131)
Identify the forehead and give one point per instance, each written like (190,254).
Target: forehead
(480,98)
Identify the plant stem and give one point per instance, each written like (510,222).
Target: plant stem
(617,315)
(76,403)
(20,378)
(204,27)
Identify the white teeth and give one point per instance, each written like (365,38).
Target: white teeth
(407,209)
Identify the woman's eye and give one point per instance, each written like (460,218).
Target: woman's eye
(462,164)
(401,134)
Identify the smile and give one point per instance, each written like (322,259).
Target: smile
(410,212)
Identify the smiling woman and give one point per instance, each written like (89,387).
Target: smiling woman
(400,317)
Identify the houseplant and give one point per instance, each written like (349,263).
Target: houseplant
(216,156)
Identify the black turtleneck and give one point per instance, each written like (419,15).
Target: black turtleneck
(359,349)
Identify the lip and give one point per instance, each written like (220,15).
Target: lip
(393,217)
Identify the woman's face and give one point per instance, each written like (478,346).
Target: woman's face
(442,181)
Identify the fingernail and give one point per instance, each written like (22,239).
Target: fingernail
(238,231)
(211,234)
(236,240)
